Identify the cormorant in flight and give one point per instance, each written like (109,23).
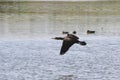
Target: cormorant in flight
(68,41)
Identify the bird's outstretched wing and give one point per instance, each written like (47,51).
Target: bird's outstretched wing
(65,46)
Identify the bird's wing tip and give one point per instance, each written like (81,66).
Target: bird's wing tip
(62,53)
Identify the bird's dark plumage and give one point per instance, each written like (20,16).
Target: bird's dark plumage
(65,46)
(90,32)
(68,41)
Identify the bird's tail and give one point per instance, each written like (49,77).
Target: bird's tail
(82,43)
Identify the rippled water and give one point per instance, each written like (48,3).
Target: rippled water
(40,60)
(27,51)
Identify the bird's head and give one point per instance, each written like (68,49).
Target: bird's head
(54,38)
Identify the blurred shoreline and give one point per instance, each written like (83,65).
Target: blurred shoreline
(94,8)
(39,19)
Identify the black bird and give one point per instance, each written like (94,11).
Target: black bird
(90,32)
(65,32)
(74,32)
(68,41)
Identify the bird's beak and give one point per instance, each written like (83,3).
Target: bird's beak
(52,38)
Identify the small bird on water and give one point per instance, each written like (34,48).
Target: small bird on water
(68,41)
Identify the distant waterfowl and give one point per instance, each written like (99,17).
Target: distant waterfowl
(90,32)
(74,32)
(68,41)
(65,32)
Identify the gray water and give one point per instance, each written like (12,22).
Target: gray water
(40,60)
(27,51)
(34,25)
(33,19)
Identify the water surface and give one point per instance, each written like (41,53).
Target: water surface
(44,19)
(27,51)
